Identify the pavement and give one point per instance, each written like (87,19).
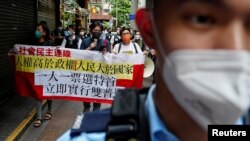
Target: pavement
(18,114)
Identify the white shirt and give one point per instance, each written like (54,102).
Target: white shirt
(129,49)
(79,43)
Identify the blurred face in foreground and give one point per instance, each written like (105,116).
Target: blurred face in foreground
(202,24)
(216,28)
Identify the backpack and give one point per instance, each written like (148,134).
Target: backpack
(124,121)
(120,45)
(116,40)
(128,119)
(108,37)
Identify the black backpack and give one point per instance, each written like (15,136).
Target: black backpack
(128,119)
(108,37)
(120,45)
(116,40)
(124,121)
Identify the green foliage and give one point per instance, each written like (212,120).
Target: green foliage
(106,25)
(66,15)
(122,8)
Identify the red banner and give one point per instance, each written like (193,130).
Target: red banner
(59,73)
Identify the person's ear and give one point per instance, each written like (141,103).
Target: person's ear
(144,24)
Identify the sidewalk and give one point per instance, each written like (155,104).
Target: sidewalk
(16,115)
(64,115)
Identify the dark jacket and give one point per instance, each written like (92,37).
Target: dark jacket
(101,43)
(72,43)
(45,43)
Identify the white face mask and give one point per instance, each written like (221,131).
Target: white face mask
(82,33)
(137,37)
(212,86)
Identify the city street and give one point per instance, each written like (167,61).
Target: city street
(64,115)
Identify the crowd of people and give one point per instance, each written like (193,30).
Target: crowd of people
(202,75)
(73,37)
(97,38)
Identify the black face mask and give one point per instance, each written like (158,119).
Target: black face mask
(96,35)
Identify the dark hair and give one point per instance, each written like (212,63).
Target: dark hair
(71,26)
(44,23)
(95,24)
(123,29)
(46,29)
(82,28)
(59,23)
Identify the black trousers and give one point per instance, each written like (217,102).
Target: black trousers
(96,106)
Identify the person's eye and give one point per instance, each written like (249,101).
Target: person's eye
(200,20)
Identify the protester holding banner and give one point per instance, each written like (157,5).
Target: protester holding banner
(37,37)
(202,75)
(51,38)
(126,46)
(42,39)
(95,43)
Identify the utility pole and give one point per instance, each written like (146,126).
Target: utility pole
(134,7)
(116,14)
(63,14)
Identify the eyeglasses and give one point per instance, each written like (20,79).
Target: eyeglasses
(125,33)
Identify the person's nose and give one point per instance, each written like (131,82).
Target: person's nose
(232,36)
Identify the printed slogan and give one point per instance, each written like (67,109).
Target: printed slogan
(59,73)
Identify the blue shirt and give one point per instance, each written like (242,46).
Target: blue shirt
(158,130)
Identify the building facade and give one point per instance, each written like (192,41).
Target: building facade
(17,19)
